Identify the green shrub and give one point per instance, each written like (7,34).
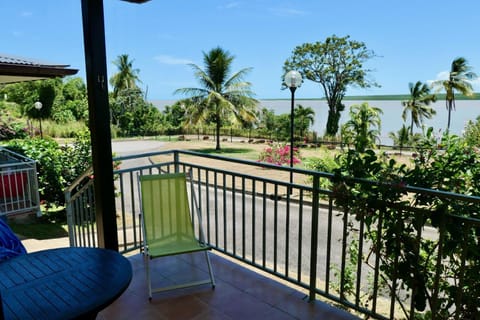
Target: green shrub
(325,164)
(448,164)
(11,126)
(472,132)
(48,155)
(63,116)
(12,130)
(58,166)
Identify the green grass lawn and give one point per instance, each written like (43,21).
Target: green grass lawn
(240,153)
(52,224)
(40,230)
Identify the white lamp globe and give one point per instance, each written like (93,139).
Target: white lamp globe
(293,79)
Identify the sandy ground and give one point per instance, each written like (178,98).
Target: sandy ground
(195,144)
(129,147)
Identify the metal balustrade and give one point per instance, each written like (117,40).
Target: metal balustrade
(297,236)
(18,184)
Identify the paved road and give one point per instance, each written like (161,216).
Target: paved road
(243,225)
(257,228)
(127,147)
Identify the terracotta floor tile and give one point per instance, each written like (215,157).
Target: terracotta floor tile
(240,293)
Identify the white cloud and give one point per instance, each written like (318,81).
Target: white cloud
(286,12)
(166,59)
(232,5)
(443,75)
(26,14)
(17,33)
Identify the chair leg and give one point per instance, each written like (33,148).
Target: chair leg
(147,268)
(210,270)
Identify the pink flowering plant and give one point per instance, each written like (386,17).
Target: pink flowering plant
(279,154)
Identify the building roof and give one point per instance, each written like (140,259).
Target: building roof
(137,1)
(17,69)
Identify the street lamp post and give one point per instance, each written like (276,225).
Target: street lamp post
(293,80)
(38,105)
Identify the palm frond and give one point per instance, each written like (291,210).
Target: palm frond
(192,92)
(237,77)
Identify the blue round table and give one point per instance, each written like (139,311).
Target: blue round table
(65,283)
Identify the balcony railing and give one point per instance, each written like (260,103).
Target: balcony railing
(18,184)
(292,231)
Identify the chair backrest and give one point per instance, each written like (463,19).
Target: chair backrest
(165,207)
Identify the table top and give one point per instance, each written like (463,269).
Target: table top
(65,283)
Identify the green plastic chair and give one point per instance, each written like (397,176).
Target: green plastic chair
(167,223)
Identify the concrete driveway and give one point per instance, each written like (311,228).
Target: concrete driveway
(127,147)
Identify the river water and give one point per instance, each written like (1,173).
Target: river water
(391,118)
(392,114)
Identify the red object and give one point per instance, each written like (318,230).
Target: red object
(12,185)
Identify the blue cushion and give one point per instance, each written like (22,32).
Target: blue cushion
(10,245)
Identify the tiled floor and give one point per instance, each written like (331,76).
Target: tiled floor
(240,293)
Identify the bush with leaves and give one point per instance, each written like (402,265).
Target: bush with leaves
(324,164)
(11,127)
(77,156)
(411,261)
(57,166)
(279,154)
(472,132)
(48,155)
(12,130)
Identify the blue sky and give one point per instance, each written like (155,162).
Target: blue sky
(414,40)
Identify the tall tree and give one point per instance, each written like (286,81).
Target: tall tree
(133,115)
(126,77)
(27,93)
(221,96)
(335,64)
(363,126)
(418,104)
(458,80)
(175,114)
(71,102)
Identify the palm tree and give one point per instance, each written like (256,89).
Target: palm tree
(305,118)
(401,137)
(458,80)
(221,96)
(126,77)
(364,126)
(418,105)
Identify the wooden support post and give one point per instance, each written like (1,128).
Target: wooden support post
(99,122)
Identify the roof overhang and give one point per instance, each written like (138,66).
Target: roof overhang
(137,1)
(14,69)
